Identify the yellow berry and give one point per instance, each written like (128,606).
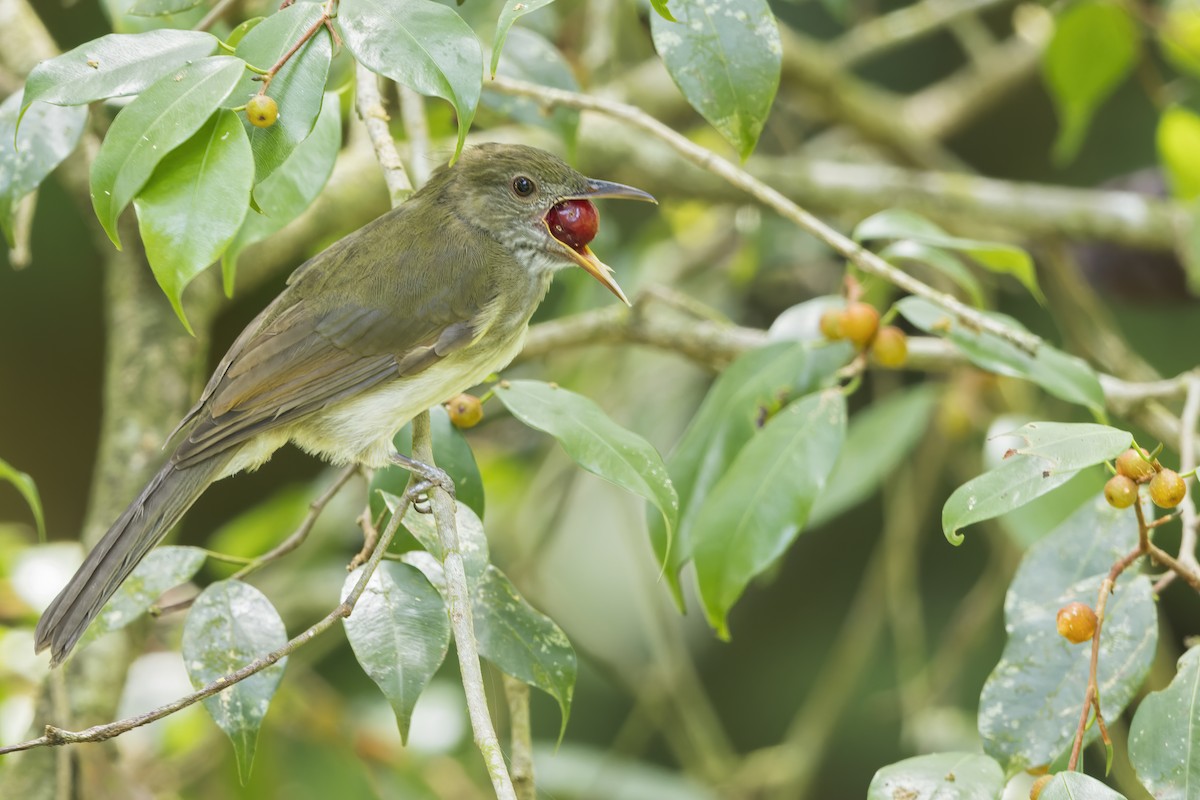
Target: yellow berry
(831,324)
(1076,622)
(1167,489)
(1133,465)
(262,111)
(1035,791)
(859,322)
(465,411)
(1120,491)
(890,347)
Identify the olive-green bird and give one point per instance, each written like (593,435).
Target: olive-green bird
(419,305)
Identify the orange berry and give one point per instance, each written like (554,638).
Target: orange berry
(831,324)
(1076,622)
(859,322)
(1131,464)
(465,411)
(1167,489)
(262,111)
(890,348)
(1120,491)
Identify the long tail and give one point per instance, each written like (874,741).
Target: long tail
(169,494)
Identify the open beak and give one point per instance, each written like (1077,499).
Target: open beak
(583,256)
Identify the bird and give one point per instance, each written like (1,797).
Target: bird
(413,308)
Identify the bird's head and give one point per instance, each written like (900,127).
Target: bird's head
(532,202)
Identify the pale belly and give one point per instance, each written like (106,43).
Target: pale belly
(360,430)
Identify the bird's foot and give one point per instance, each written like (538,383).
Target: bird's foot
(427,478)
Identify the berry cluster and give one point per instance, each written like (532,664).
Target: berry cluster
(858,323)
(1167,489)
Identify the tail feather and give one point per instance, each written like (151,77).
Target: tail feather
(166,497)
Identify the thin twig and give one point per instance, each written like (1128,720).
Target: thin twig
(459,599)
(369,104)
(416,130)
(1187,463)
(99,733)
(882,34)
(862,258)
(516,691)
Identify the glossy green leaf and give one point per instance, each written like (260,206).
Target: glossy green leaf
(1064,376)
(726,58)
(28,489)
(523,642)
(939,776)
(660,8)
(531,57)
(939,260)
(298,88)
(400,632)
(994,256)
(1077,786)
(472,541)
(163,568)
(597,444)
(160,8)
(231,624)
(728,417)
(1164,738)
(1077,80)
(290,189)
(1047,456)
(1030,703)
(508,15)
(762,502)
(424,46)
(48,136)
(451,452)
(122,21)
(148,129)
(1178,142)
(265,524)
(237,34)
(878,439)
(195,203)
(115,65)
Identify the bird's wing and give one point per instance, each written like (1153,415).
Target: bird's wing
(300,356)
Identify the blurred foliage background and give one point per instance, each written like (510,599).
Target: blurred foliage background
(859,648)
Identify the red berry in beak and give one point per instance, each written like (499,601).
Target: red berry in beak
(574,223)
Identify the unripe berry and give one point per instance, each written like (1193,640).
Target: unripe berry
(1076,622)
(1120,491)
(831,324)
(1035,791)
(1167,489)
(1131,464)
(860,321)
(890,348)
(465,411)
(262,111)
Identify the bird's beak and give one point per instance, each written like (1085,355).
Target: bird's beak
(583,256)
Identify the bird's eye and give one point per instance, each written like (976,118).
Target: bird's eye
(523,186)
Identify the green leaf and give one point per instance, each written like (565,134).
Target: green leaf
(297,88)
(1078,81)
(728,417)
(1030,703)
(523,642)
(994,256)
(115,65)
(939,260)
(1178,34)
(155,123)
(508,15)
(878,440)
(28,489)
(195,203)
(123,22)
(534,59)
(399,632)
(1051,454)
(1178,142)
(291,188)
(237,34)
(1064,376)
(231,624)
(451,453)
(660,8)
(1164,738)
(160,8)
(425,46)
(597,444)
(726,59)
(939,776)
(1077,786)
(48,136)
(762,502)
(472,541)
(163,568)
